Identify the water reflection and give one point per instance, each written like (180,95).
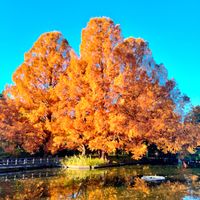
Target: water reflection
(109,184)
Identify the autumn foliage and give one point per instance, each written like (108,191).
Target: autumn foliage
(111,97)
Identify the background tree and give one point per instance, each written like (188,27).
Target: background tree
(193,116)
(191,131)
(16,132)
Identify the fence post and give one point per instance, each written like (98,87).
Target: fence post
(16,161)
(33,161)
(7,161)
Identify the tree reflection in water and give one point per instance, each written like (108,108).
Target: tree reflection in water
(110,184)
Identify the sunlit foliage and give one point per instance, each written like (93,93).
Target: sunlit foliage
(111,97)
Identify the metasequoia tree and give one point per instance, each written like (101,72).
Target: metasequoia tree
(35,82)
(113,96)
(87,86)
(99,39)
(143,109)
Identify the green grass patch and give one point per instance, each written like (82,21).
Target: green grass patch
(83,161)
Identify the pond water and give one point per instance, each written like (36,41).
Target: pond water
(122,183)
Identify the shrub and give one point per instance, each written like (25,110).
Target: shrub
(83,161)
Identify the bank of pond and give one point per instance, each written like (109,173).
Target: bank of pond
(89,162)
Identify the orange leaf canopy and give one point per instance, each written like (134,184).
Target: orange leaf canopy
(113,96)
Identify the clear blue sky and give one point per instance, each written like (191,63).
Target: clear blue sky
(171,27)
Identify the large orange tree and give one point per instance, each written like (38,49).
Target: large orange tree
(113,96)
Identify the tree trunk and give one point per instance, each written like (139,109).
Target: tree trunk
(117,153)
(104,155)
(83,153)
